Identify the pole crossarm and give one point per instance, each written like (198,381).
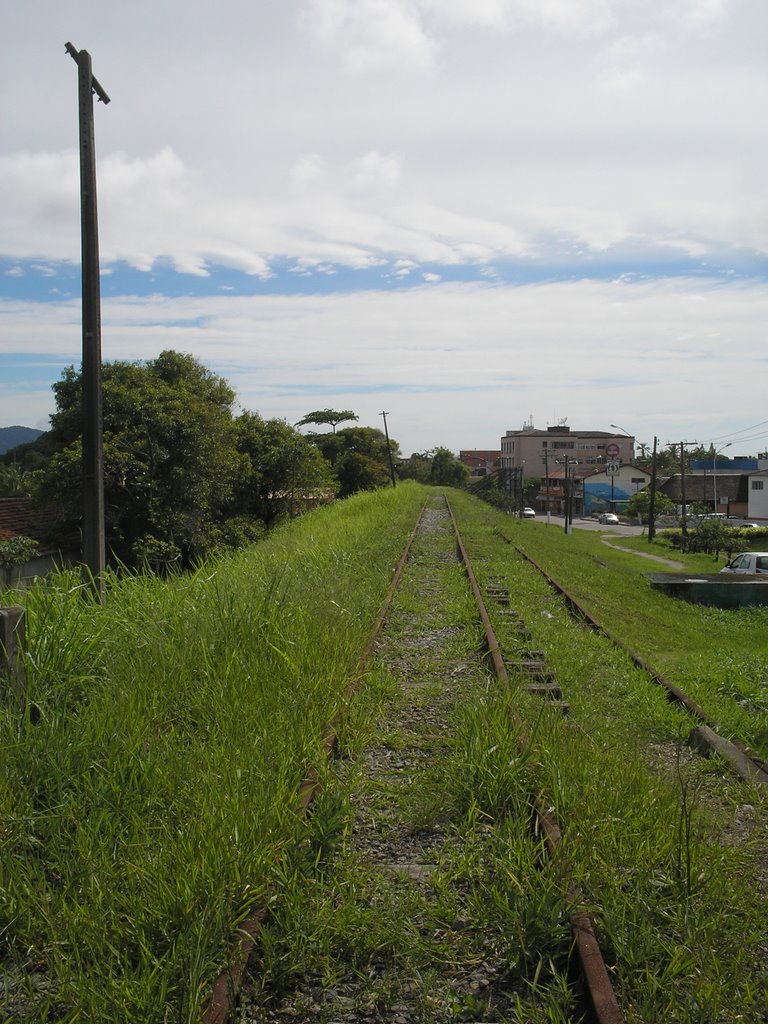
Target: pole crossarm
(98,91)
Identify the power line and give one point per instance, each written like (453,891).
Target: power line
(744,430)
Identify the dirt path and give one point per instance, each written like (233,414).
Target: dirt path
(645,554)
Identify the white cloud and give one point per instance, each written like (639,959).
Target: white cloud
(372,35)
(374,170)
(309,168)
(456,364)
(551,136)
(527,133)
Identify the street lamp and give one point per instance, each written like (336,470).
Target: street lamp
(714,471)
(615,426)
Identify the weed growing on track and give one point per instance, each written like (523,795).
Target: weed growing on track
(646,830)
(484,934)
(149,789)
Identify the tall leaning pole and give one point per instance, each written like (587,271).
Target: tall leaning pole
(94,546)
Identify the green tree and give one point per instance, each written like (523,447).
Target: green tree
(331,416)
(367,443)
(282,468)
(447,470)
(417,467)
(170,461)
(15,481)
(358,472)
(639,505)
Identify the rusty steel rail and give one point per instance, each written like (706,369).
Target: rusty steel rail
(229,982)
(706,736)
(596,977)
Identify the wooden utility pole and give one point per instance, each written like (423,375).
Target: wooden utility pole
(652,501)
(389,451)
(94,546)
(684,527)
(13,674)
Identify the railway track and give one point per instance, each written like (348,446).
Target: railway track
(705,738)
(399,916)
(405,848)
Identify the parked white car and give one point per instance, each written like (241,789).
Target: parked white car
(754,562)
(609,519)
(529,513)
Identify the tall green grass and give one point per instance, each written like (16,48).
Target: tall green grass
(646,826)
(718,657)
(150,786)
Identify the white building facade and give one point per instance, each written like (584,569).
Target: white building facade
(757,494)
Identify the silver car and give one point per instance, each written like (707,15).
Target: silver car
(753,562)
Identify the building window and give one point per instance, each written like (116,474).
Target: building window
(757,485)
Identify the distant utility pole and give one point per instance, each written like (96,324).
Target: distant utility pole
(389,450)
(546,473)
(652,501)
(93,448)
(684,507)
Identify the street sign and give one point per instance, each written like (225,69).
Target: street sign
(612,450)
(612,468)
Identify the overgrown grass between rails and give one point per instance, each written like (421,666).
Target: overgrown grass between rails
(718,657)
(674,904)
(346,927)
(141,815)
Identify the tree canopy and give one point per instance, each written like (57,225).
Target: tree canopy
(282,467)
(170,463)
(331,416)
(181,472)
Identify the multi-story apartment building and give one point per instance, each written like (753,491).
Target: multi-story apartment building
(537,451)
(561,457)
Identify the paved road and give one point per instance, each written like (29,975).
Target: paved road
(592,524)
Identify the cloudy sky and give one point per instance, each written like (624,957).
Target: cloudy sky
(467,213)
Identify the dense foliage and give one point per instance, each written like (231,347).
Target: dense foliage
(182,474)
(435,466)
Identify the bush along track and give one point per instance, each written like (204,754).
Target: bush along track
(145,802)
(427,896)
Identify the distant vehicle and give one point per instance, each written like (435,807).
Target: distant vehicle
(609,519)
(753,562)
(529,513)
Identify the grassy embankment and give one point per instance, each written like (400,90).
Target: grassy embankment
(143,813)
(719,657)
(668,849)
(147,792)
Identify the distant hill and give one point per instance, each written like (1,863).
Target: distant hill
(10,437)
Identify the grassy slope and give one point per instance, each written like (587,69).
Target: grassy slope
(719,657)
(649,830)
(142,813)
